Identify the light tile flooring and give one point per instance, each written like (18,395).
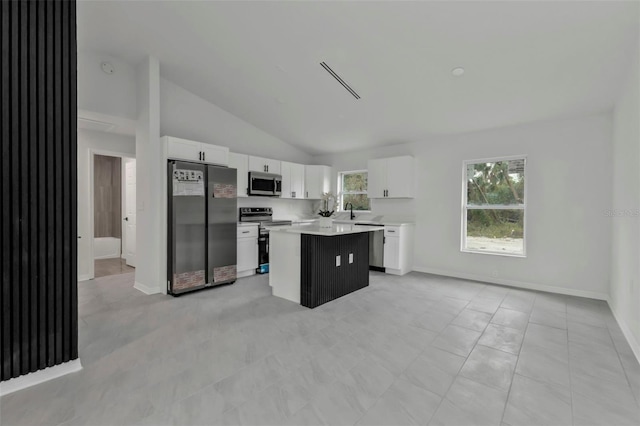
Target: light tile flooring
(106,267)
(418,349)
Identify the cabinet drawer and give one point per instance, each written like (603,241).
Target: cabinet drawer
(391,231)
(248,231)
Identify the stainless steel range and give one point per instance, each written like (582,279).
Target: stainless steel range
(264,217)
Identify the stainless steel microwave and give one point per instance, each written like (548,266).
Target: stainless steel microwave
(265,184)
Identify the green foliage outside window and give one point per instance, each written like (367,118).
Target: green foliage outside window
(353,189)
(499,183)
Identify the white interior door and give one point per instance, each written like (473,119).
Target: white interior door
(130,202)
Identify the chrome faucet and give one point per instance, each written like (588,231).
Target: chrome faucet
(353,216)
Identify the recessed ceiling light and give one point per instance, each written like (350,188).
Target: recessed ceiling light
(457,72)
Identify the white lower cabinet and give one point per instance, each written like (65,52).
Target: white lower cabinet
(392,252)
(398,249)
(247,251)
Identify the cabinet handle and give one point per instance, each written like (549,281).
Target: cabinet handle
(203,156)
(391,232)
(245,232)
(200,155)
(307,196)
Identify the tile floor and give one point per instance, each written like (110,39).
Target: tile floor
(419,349)
(106,267)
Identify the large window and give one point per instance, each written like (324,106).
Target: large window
(352,188)
(493,217)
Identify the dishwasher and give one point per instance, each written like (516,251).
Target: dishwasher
(376,248)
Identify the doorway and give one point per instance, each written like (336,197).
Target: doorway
(113,215)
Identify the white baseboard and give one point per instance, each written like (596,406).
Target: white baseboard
(512,283)
(85,277)
(109,256)
(626,331)
(145,289)
(40,376)
(248,273)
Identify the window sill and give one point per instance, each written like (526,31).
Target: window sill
(494,253)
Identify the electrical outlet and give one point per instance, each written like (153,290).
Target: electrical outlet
(494,273)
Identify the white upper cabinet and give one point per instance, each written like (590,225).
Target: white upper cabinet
(377,178)
(317,179)
(391,177)
(241,163)
(183,149)
(266,165)
(292,180)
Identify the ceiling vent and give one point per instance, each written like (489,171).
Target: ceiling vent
(101,126)
(340,80)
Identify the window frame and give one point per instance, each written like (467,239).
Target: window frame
(340,192)
(466,207)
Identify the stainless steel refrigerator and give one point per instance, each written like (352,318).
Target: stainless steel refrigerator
(202,226)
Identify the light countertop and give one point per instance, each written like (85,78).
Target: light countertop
(381,223)
(336,229)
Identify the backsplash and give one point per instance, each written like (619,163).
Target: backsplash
(283,208)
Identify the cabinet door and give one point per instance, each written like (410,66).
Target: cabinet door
(317,181)
(287,187)
(273,166)
(297,180)
(377,178)
(247,254)
(241,163)
(400,177)
(392,252)
(213,154)
(257,164)
(265,165)
(182,149)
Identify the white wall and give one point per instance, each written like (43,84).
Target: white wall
(569,185)
(89,141)
(151,259)
(186,115)
(111,94)
(625,222)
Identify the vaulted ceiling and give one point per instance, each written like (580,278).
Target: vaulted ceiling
(523,61)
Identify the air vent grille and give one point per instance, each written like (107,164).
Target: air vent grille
(339,79)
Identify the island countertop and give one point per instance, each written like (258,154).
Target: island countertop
(336,229)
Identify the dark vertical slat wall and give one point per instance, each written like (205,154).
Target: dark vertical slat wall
(39,208)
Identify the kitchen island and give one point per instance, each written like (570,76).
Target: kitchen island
(310,265)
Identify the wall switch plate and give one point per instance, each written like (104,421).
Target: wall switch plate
(350,257)
(338,260)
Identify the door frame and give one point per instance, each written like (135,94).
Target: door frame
(92,154)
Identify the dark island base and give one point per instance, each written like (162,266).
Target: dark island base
(321,281)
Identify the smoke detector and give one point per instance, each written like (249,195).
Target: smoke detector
(107,67)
